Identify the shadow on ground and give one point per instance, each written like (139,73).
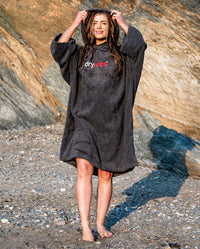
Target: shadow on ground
(158,184)
(170,148)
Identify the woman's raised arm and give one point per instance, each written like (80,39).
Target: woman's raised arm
(117,15)
(81,16)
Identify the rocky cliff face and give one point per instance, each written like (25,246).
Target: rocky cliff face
(33,92)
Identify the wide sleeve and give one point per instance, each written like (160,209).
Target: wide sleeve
(133,48)
(133,43)
(66,55)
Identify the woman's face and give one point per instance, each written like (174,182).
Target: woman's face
(100,28)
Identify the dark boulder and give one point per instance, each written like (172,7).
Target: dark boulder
(175,151)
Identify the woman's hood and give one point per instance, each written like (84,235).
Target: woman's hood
(89,13)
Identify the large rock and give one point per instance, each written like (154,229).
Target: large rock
(21,77)
(142,150)
(169,89)
(18,108)
(175,151)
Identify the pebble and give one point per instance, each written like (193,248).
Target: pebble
(5,221)
(60,223)
(34,191)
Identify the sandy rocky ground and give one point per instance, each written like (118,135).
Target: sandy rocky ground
(149,209)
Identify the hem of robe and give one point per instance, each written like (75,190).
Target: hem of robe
(72,161)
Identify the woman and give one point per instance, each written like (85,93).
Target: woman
(98,135)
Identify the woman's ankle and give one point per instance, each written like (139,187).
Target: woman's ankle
(85,224)
(87,232)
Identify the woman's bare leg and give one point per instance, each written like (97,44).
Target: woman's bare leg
(103,201)
(84,195)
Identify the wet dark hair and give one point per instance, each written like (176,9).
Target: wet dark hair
(112,39)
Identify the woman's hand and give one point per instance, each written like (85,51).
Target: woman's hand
(81,16)
(117,15)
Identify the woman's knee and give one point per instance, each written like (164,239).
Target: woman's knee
(105,175)
(84,168)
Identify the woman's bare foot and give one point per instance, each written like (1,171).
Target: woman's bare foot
(87,233)
(103,232)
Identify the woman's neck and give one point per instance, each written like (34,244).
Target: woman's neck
(99,42)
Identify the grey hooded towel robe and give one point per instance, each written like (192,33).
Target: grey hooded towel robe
(99,122)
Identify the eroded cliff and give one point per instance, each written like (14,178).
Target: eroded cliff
(33,92)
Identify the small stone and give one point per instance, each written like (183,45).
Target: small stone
(62,190)
(5,221)
(34,191)
(60,223)
(179,214)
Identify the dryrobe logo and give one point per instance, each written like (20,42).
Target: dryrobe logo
(96,64)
